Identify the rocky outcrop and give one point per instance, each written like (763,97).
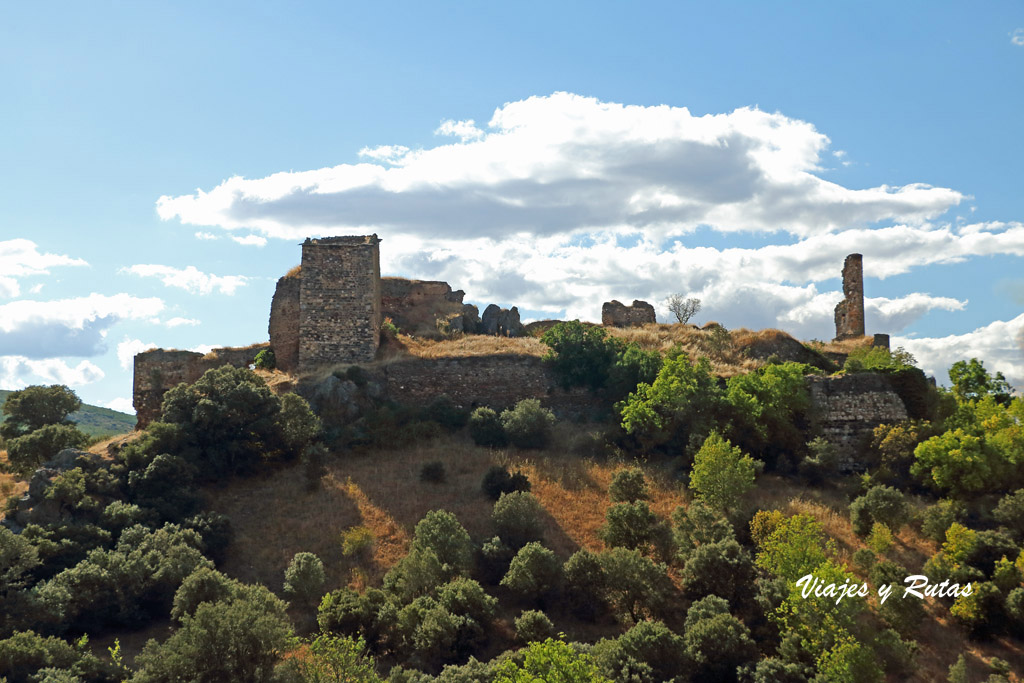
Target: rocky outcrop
(284,321)
(415,306)
(34,507)
(503,322)
(617,314)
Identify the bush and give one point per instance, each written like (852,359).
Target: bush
(433,472)
(25,654)
(939,517)
(347,612)
(485,428)
(717,646)
(28,452)
(517,518)
(629,486)
(265,360)
(441,532)
(1010,512)
(882,504)
(822,463)
(216,532)
(880,539)
(533,625)
(584,580)
(418,573)
(534,574)
(724,569)
(444,411)
(629,525)
(203,585)
(528,424)
(654,644)
(304,578)
(635,587)
(330,659)
(239,639)
(722,473)
(579,354)
(498,480)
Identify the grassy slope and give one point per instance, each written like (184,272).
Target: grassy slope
(94,420)
(275,517)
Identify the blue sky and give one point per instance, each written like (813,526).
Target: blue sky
(160,163)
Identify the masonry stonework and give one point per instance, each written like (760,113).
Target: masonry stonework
(284,321)
(158,370)
(339,301)
(849,407)
(849,313)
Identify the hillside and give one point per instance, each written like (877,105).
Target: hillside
(93,420)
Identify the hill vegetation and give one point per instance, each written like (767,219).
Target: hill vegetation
(434,542)
(95,421)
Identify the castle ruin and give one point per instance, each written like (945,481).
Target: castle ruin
(849,312)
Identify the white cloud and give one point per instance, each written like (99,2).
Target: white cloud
(999,344)
(564,163)
(121,404)
(464,130)
(190,278)
(1017,37)
(179,321)
(250,240)
(127,350)
(67,327)
(202,348)
(20,258)
(18,372)
(206,236)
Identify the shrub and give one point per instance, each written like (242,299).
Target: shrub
(939,517)
(654,644)
(822,462)
(205,584)
(347,612)
(724,569)
(120,515)
(584,580)
(629,525)
(330,658)
(216,532)
(722,473)
(882,504)
(528,424)
(485,428)
(498,480)
(416,574)
(26,654)
(880,539)
(467,598)
(494,559)
(441,532)
(535,572)
(863,560)
(265,360)
(533,625)
(1015,606)
(26,453)
(444,411)
(357,541)
(517,518)
(304,578)
(717,646)
(629,486)
(433,472)
(239,639)
(1010,512)
(635,586)
(580,355)
(551,660)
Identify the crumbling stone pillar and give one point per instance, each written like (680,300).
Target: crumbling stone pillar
(849,312)
(284,321)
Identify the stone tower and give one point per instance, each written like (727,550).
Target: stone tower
(850,311)
(339,301)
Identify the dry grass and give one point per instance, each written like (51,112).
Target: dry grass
(469,345)
(10,484)
(726,359)
(843,347)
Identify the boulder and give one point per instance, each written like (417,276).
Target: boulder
(503,322)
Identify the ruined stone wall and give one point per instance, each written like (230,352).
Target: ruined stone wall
(415,305)
(284,321)
(617,314)
(849,407)
(158,370)
(849,313)
(496,381)
(339,301)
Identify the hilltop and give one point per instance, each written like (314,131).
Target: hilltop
(95,421)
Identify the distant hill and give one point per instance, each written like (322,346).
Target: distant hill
(94,420)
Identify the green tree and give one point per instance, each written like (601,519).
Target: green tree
(957,462)
(629,486)
(35,407)
(769,410)
(635,586)
(580,354)
(534,573)
(882,504)
(239,639)
(517,518)
(440,531)
(533,626)
(682,405)
(724,568)
(972,382)
(331,659)
(552,661)
(304,578)
(629,525)
(717,645)
(794,548)
(722,474)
